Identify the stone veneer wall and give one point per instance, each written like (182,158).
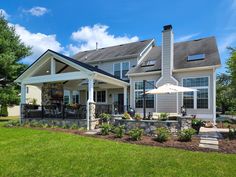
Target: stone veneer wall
(150,126)
(47,90)
(82,123)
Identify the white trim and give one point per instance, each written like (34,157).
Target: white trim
(144,74)
(53,66)
(56,77)
(196,68)
(195,93)
(146,47)
(214,96)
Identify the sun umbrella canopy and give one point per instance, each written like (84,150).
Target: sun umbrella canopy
(170,88)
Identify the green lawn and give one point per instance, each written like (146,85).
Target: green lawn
(28,152)
(9,118)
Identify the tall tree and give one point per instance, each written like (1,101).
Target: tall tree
(224,100)
(12,50)
(231,63)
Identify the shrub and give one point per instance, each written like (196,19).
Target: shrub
(105,117)
(232,133)
(65,126)
(12,123)
(126,116)
(163,116)
(3,111)
(162,134)
(138,116)
(105,129)
(74,126)
(120,131)
(136,134)
(186,135)
(196,124)
(46,125)
(35,123)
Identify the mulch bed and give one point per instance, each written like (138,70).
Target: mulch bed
(225,145)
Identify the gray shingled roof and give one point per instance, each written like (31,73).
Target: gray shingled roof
(124,51)
(182,50)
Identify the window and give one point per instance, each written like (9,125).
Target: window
(117,70)
(198,100)
(202,98)
(189,100)
(125,69)
(66,99)
(149,63)
(139,94)
(121,69)
(101,96)
(76,99)
(27,89)
(196,57)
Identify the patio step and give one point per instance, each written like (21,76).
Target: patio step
(205,141)
(209,146)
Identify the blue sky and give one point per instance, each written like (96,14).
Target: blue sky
(71,26)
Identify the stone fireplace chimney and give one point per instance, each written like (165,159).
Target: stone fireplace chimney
(167,50)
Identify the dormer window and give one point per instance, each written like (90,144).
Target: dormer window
(196,57)
(149,63)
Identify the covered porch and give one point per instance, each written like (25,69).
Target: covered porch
(55,75)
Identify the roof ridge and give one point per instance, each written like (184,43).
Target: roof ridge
(114,46)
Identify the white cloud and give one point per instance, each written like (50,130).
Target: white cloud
(87,36)
(37,11)
(186,37)
(227,41)
(4,13)
(38,41)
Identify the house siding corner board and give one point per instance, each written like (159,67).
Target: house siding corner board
(200,113)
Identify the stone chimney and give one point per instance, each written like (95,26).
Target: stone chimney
(167,50)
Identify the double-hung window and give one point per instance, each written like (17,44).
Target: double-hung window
(139,94)
(99,96)
(76,99)
(121,69)
(200,99)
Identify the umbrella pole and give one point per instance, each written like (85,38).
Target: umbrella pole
(144,99)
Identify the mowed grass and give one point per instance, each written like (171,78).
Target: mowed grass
(9,118)
(28,152)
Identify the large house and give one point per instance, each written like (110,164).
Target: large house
(114,76)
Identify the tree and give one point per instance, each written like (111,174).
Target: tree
(231,63)
(224,100)
(12,50)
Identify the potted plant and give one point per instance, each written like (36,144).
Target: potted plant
(33,103)
(196,124)
(105,117)
(163,116)
(126,116)
(138,116)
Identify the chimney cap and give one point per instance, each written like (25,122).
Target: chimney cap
(167,27)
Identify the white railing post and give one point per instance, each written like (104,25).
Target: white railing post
(125,99)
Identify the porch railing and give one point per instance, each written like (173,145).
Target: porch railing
(67,112)
(53,111)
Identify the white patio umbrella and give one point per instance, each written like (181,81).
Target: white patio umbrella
(170,88)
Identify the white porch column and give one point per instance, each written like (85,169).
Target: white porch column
(53,66)
(22,100)
(125,99)
(89,101)
(71,97)
(214,96)
(23,93)
(90,89)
